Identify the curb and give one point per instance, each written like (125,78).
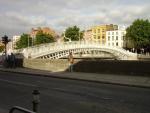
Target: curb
(79,79)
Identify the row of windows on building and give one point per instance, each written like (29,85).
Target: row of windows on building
(99,37)
(115,33)
(114,44)
(98,30)
(115,38)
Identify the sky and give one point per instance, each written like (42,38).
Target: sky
(19,16)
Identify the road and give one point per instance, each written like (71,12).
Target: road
(71,96)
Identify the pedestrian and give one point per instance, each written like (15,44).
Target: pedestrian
(71,62)
(13,61)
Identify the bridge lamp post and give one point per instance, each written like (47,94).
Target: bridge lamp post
(79,37)
(66,37)
(28,41)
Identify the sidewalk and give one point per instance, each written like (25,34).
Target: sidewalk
(136,81)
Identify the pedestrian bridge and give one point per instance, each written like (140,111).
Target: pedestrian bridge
(59,50)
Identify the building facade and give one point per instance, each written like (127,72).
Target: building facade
(116,37)
(99,32)
(87,35)
(45,30)
(15,39)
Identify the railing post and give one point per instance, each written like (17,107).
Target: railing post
(36,100)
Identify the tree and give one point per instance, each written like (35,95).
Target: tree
(72,33)
(81,35)
(139,33)
(25,41)
(1,48)
(43,38)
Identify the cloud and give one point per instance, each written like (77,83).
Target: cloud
(18,16)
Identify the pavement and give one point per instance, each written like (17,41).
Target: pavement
(125,80)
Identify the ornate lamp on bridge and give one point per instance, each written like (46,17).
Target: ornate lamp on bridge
(66,37)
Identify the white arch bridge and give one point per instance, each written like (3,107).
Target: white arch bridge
(59,50)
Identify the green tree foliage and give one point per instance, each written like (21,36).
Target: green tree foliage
(43,38)
(81,35)
(1,48)
(25,41)
(139,33)
(72,33)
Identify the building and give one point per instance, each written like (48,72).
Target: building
(116,37)
(87,35)
(99,32)
(10,47)
(45,30)
(1,44)
(15,39)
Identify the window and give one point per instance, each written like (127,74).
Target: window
(112,33)
(123,37)
(98,37)
(103,30)
(103,37)
(98,30)
(116,43)
(108,33)
(108,44)
(108,38)
(94,36)
(116,33)
(116,37)
(112,38)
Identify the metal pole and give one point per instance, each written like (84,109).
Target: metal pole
(5,49)
(36,100)
(35,106)
(79,36)
(32,40)
(28,40)
(67,38)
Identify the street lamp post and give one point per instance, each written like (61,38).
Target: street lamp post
(79,36)
(28,41)
(66,37)
(36,100)
(5,41)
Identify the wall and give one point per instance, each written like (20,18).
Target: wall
(47,64)
(114,67)
(92,66)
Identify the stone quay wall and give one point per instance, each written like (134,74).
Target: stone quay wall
(91,66)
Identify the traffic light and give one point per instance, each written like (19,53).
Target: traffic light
(5,39)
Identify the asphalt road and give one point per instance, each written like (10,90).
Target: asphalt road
(70,96)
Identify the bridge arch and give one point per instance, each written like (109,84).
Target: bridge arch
(60,50)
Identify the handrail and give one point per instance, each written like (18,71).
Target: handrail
(50,48)
(23,110)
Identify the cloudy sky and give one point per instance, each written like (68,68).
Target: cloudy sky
(18,16)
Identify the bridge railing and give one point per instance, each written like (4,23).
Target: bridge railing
(49,48)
